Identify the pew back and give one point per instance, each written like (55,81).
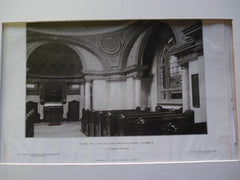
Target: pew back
(30,118)
(132,122)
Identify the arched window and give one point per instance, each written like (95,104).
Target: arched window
(170,79)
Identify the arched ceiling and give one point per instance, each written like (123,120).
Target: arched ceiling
(82,28)
(54,59)
(161,36)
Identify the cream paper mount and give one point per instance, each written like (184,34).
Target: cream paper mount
(100,67)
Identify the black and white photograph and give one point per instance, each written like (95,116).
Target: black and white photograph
(115,78)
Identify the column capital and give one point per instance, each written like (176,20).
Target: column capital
(88,79)
(137,76)
(183,60)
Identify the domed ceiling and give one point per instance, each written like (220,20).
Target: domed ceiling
(82,28)
(54,59)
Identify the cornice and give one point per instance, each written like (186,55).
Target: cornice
(191,48)
(54,77)
(117,74)
(119,71)
(193,30)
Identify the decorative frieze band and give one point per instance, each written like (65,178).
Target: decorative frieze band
(118,74)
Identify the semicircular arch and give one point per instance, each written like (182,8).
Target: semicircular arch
(145,32)
(53,59)
(155,38)
(81,43)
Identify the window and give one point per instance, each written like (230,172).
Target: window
(32,86)
(73,89)
(170,77)
(32,89)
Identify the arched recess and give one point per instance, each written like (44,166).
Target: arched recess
(154,43)
(162,67)
(54,67)
(54,59)
(81,43)
(147,31)
(34,45)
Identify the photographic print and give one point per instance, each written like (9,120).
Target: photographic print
(115,78)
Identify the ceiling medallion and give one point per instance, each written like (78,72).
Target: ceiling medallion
(109,44)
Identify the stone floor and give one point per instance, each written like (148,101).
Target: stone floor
(65,130)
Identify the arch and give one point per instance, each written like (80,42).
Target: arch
(147,30)
(155,39)
(32,46)
(155,49)
(131,38)
(176,34)
(84,66)
(81,43)
(50,59)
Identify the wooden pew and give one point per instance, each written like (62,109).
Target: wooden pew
(83,120)
(101,123)
(135,122)
(155,123)
(93,124)
(30,118)
(109,120)
(87,123)
(33,105)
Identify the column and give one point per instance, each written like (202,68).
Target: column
(82,99)
(40,110)
(185,88)
(87,95)
(130,98)
(65,110)
(108,95)
(138,92)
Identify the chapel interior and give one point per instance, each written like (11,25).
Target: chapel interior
(115,78)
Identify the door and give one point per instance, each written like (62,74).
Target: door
(73,111)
